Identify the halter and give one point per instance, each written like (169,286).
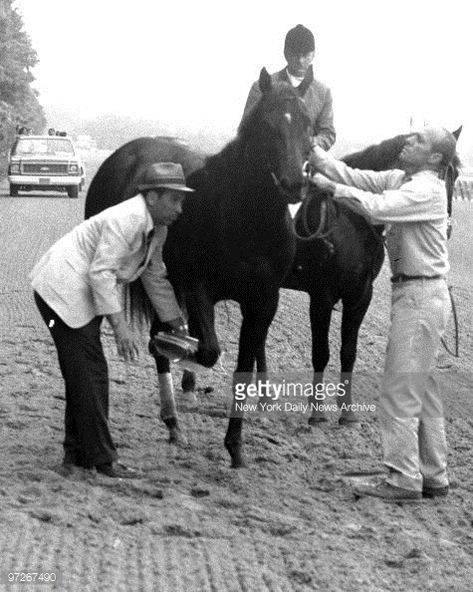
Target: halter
(272,174)
(269,168)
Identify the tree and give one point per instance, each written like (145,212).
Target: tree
(19,103)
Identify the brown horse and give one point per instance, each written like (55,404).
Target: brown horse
(234,239)
(339,254)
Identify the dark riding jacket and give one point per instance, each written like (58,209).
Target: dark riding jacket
(318,100)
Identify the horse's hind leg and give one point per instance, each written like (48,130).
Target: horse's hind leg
(166,388)
(320,316)
(351,322)
(188,382)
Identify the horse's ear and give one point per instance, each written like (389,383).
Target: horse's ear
(457,132)
(264,81)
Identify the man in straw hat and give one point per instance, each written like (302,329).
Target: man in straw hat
(78,282)
(299,51)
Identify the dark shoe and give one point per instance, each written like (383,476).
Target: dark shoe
(387,492)
(431,492)
(117,471)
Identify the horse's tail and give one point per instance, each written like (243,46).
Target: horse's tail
(138,308)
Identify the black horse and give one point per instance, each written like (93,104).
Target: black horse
(234,239)
(339,255)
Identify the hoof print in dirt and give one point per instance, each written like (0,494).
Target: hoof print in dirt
(199,492)
(394,561)
(42,515)
(181,531)
(317,421)
(300,577)
(350,421)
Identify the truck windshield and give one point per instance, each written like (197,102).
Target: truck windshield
(43,146)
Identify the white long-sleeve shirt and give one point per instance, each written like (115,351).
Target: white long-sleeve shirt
(82,274)
(415,207)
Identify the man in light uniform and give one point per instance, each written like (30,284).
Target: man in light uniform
(413,202)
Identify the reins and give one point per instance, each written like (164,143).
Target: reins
(322,232)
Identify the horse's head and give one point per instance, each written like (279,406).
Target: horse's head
(276,134)
(384,156)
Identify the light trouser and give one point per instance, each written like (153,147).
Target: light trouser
(84,368)
(411,413)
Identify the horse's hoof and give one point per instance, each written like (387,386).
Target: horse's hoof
(234,450)
(315,421)
(177,437)
(238,462)
(347,420)
(188,399)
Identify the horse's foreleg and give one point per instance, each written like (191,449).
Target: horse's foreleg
(201,325)
(351,322)
(320,316)
(261,366)
(201,313)
(253,333)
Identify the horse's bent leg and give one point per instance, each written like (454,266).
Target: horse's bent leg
(201,313)
(351,322)
(320,316)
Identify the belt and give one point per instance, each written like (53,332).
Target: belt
(402,277)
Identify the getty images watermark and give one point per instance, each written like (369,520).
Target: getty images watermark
(292,394)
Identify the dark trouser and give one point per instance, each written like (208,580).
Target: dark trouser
(84,368)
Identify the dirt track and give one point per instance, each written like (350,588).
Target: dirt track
(289,522)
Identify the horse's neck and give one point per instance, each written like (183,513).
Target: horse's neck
(244,189)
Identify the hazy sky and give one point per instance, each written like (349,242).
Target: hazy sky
(192,61)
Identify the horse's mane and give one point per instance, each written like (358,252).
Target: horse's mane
(228,160)
(384,156)
(378,157)
(280,92)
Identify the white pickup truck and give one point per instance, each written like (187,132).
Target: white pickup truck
(45,163)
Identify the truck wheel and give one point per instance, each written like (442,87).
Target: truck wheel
(73,191)
(13,190)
